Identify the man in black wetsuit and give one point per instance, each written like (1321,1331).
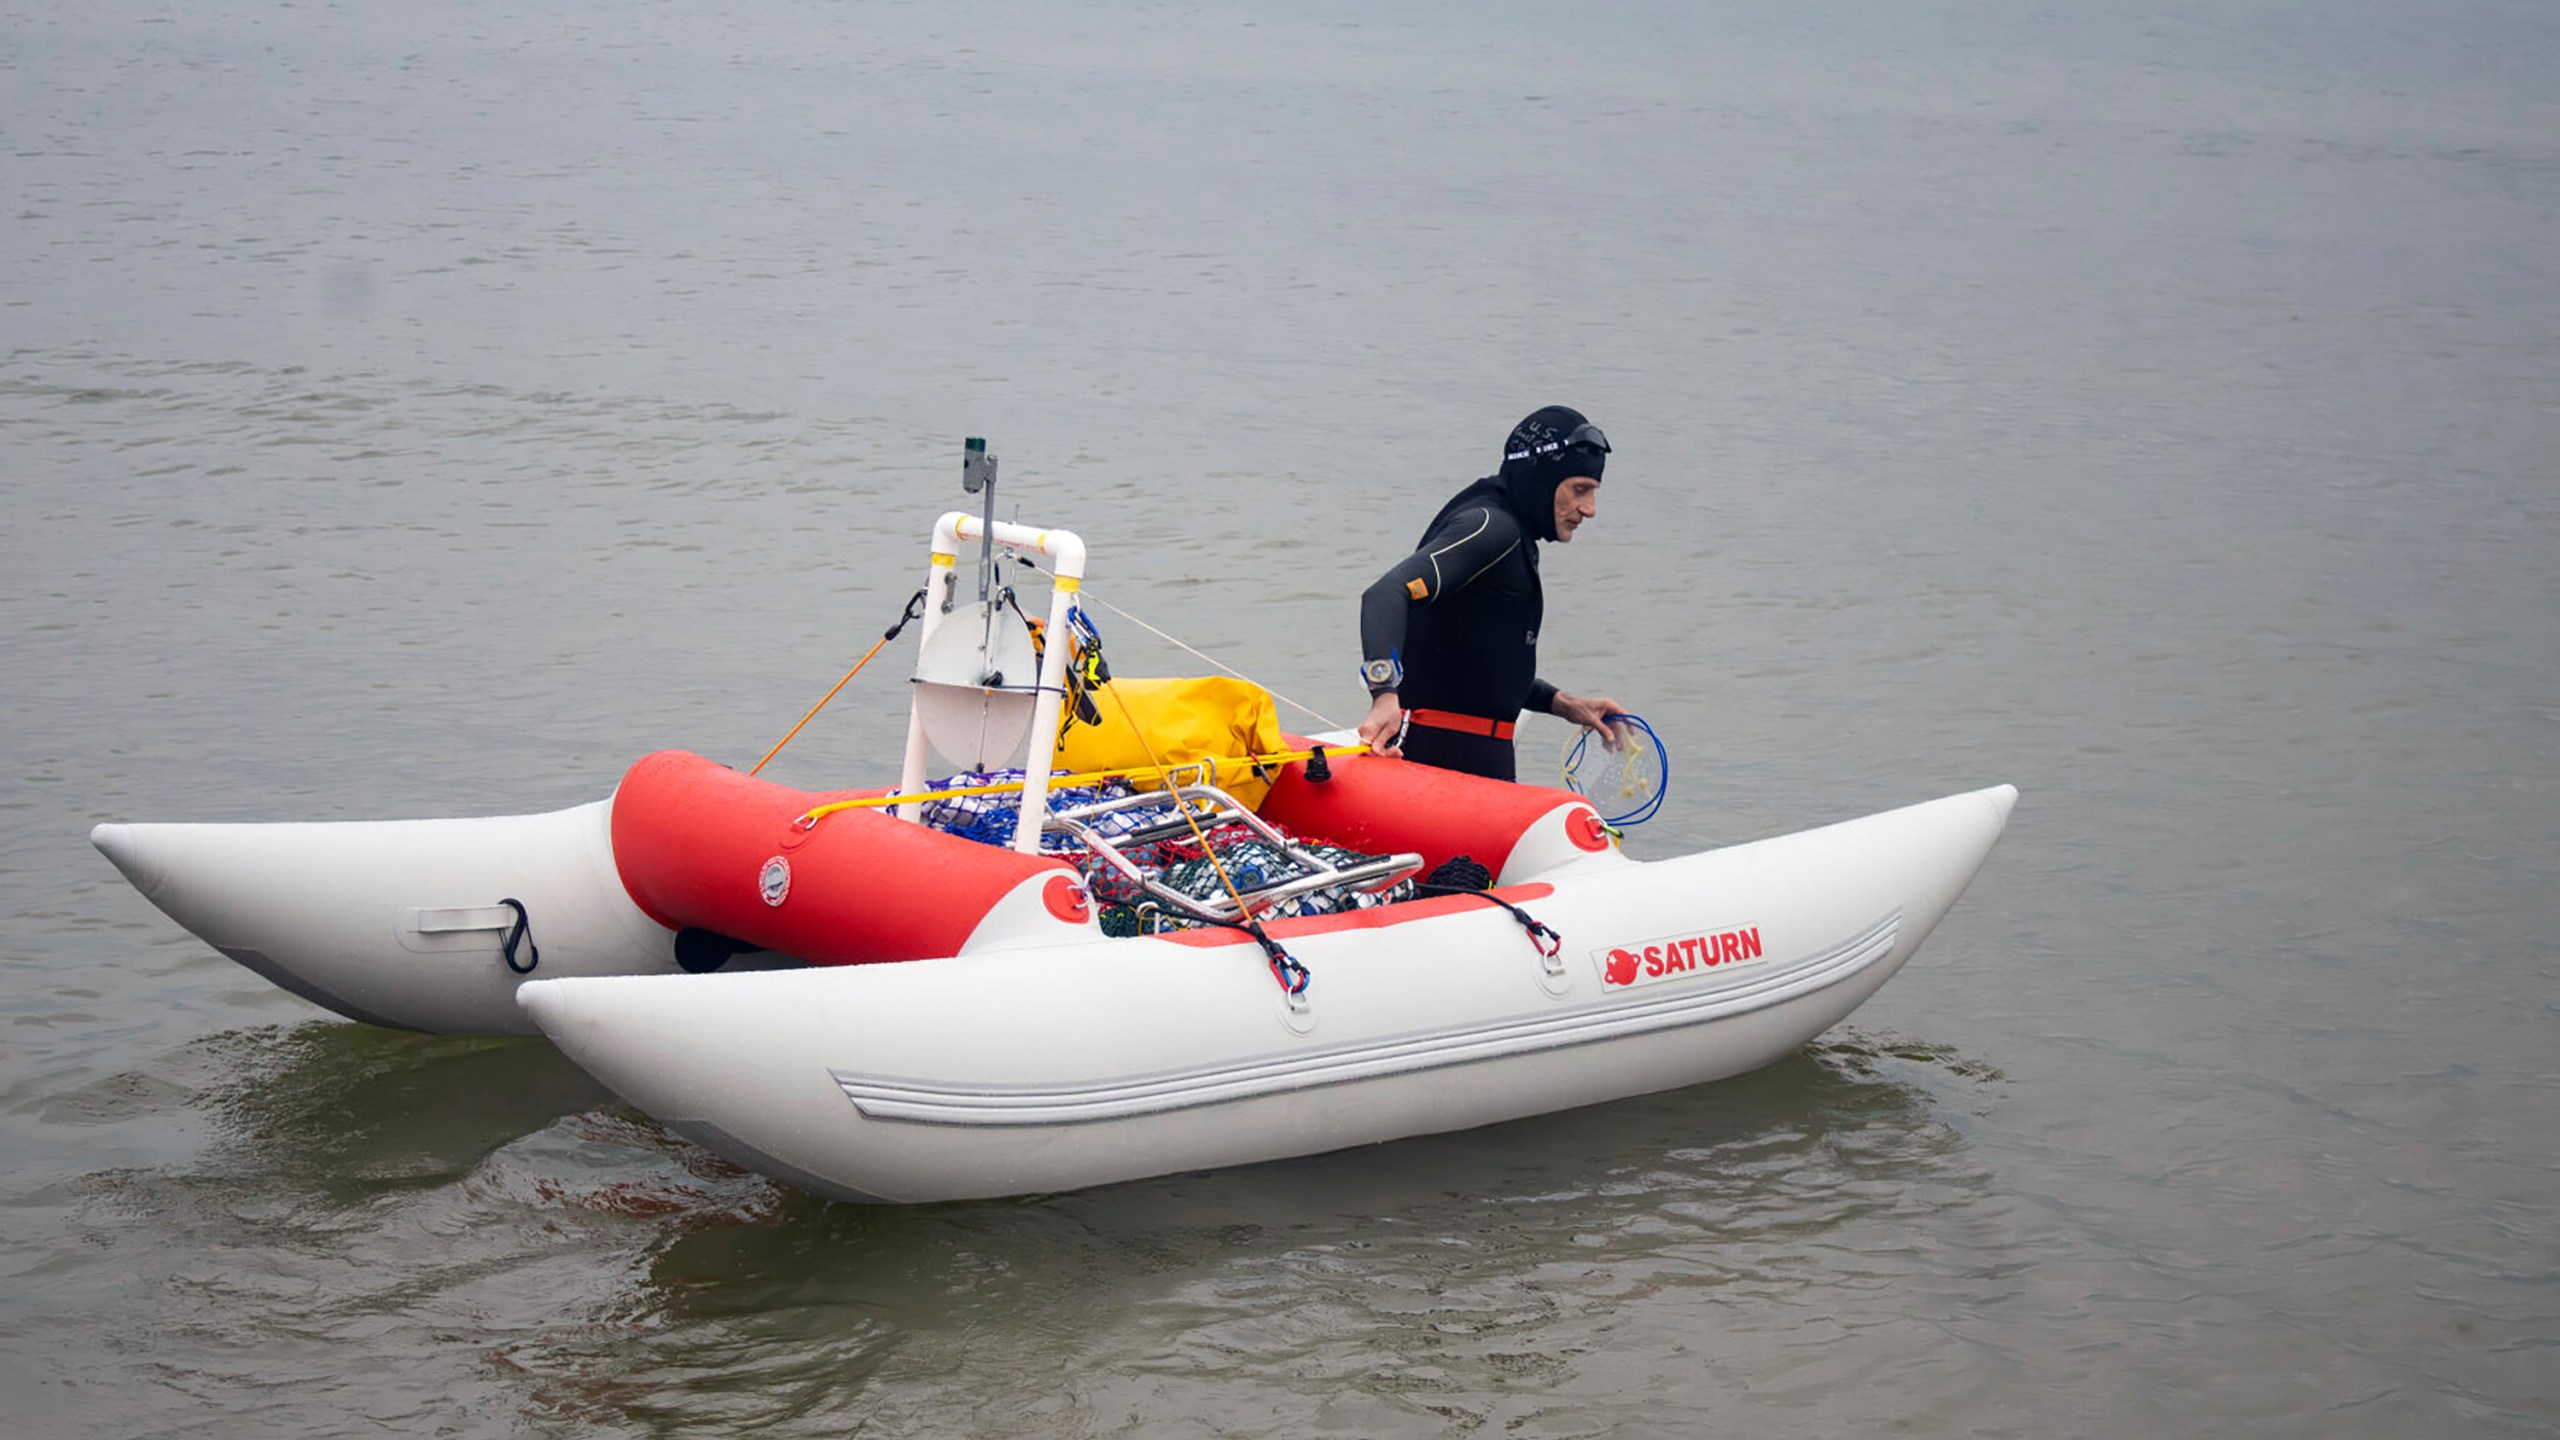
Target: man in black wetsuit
(1449,637)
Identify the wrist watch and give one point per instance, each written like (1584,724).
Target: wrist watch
(1382,674)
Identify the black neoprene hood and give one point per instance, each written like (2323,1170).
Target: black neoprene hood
(1537,456)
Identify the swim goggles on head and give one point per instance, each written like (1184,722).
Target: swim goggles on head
(1585,436)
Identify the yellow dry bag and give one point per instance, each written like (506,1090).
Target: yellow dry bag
(1185,720)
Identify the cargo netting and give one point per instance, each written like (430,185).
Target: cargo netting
(1179,863)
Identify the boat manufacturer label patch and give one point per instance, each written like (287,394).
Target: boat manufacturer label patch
(774,881)
(1673,956)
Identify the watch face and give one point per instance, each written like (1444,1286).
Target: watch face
(1379,672)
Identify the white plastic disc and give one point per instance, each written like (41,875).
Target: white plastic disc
(974,687)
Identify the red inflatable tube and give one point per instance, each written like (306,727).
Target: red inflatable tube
(1384,806)
(698,844)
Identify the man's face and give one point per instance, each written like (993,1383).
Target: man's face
(1577,500)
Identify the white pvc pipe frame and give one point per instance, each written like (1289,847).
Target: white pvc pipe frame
(1066,556)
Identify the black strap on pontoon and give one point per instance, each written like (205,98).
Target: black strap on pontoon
(1463,870)
(1293,976)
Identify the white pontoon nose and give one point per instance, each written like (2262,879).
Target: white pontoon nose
(548,1005)
(413,924)
(123,845)
(2003,798)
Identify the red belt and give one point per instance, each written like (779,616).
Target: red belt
(1463,724)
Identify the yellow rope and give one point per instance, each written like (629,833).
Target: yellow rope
(822,704)
(1090,777)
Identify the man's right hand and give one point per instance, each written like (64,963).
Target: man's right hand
(1380,728)
(1593,713)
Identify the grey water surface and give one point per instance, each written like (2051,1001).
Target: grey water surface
(430,409)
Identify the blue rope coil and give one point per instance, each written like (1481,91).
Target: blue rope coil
(1643,809)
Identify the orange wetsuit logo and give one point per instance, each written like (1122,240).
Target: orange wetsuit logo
(1678,955)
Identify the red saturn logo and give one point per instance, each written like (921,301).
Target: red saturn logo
(1655,959)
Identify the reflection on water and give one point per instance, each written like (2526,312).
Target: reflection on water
(1412,1272)
(350,1110)
(529,1250)
(427,1201)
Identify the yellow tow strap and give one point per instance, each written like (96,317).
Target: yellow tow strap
(1206,769)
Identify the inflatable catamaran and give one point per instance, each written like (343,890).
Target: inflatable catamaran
(1173,938)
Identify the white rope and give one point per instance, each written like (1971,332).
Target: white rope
(1329,721)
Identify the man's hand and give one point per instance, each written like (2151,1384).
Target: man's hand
(1383,724)
(1592,714)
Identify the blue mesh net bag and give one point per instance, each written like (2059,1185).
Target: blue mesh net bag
(990,819)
